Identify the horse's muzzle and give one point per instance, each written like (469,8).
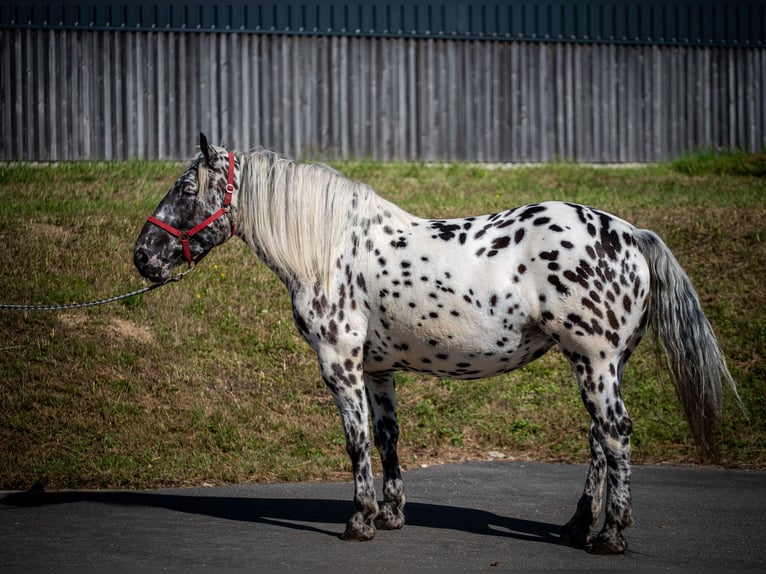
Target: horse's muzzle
(149,267)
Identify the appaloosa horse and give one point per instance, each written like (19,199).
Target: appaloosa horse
(376,290)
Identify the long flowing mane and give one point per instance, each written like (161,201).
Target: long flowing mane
(299,215)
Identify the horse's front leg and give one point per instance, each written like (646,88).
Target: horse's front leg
(382,399)
(343,376)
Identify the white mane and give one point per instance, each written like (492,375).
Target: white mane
(296,215)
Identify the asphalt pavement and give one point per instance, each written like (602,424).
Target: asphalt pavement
(473,515)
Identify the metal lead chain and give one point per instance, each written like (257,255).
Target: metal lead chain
(94,303)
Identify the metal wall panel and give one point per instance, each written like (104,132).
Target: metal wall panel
(73,94)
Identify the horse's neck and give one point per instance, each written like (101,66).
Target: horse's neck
(301,249)
(388,214)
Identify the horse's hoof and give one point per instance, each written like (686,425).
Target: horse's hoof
(607,546)
(574,536)
(358,530)
(389,518)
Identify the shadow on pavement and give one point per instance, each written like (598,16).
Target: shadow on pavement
(294,513)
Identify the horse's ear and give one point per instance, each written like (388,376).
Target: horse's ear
(204,147)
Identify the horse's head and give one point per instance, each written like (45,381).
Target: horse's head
(193,217)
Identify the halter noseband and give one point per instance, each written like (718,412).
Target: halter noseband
(184,236)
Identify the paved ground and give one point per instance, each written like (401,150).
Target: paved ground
(470,515)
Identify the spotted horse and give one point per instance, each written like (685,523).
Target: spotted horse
(376,290)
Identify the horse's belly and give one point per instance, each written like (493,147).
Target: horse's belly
(454,347)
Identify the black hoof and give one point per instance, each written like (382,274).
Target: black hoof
(607,546)
(574,536)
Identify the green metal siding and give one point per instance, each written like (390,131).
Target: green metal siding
(675,22)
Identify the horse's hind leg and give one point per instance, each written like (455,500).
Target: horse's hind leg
(382,399)
(610,447)
(576,532)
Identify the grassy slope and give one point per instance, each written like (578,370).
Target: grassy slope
(207,380)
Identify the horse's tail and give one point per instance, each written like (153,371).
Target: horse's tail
(695,359)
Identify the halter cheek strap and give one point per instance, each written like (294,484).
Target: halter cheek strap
(184,236)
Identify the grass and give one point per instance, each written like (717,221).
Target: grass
(207,380)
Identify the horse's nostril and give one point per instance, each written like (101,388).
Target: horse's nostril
(140,257)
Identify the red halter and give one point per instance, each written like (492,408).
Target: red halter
(184,236)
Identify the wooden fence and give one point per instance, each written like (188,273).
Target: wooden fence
(71,95)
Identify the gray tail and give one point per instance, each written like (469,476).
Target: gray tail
(695,359)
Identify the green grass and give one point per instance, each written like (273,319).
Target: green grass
(207,379)
(727,162)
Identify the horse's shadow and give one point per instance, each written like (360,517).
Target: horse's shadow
(299,513)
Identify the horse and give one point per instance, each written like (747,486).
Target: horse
(376,290)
